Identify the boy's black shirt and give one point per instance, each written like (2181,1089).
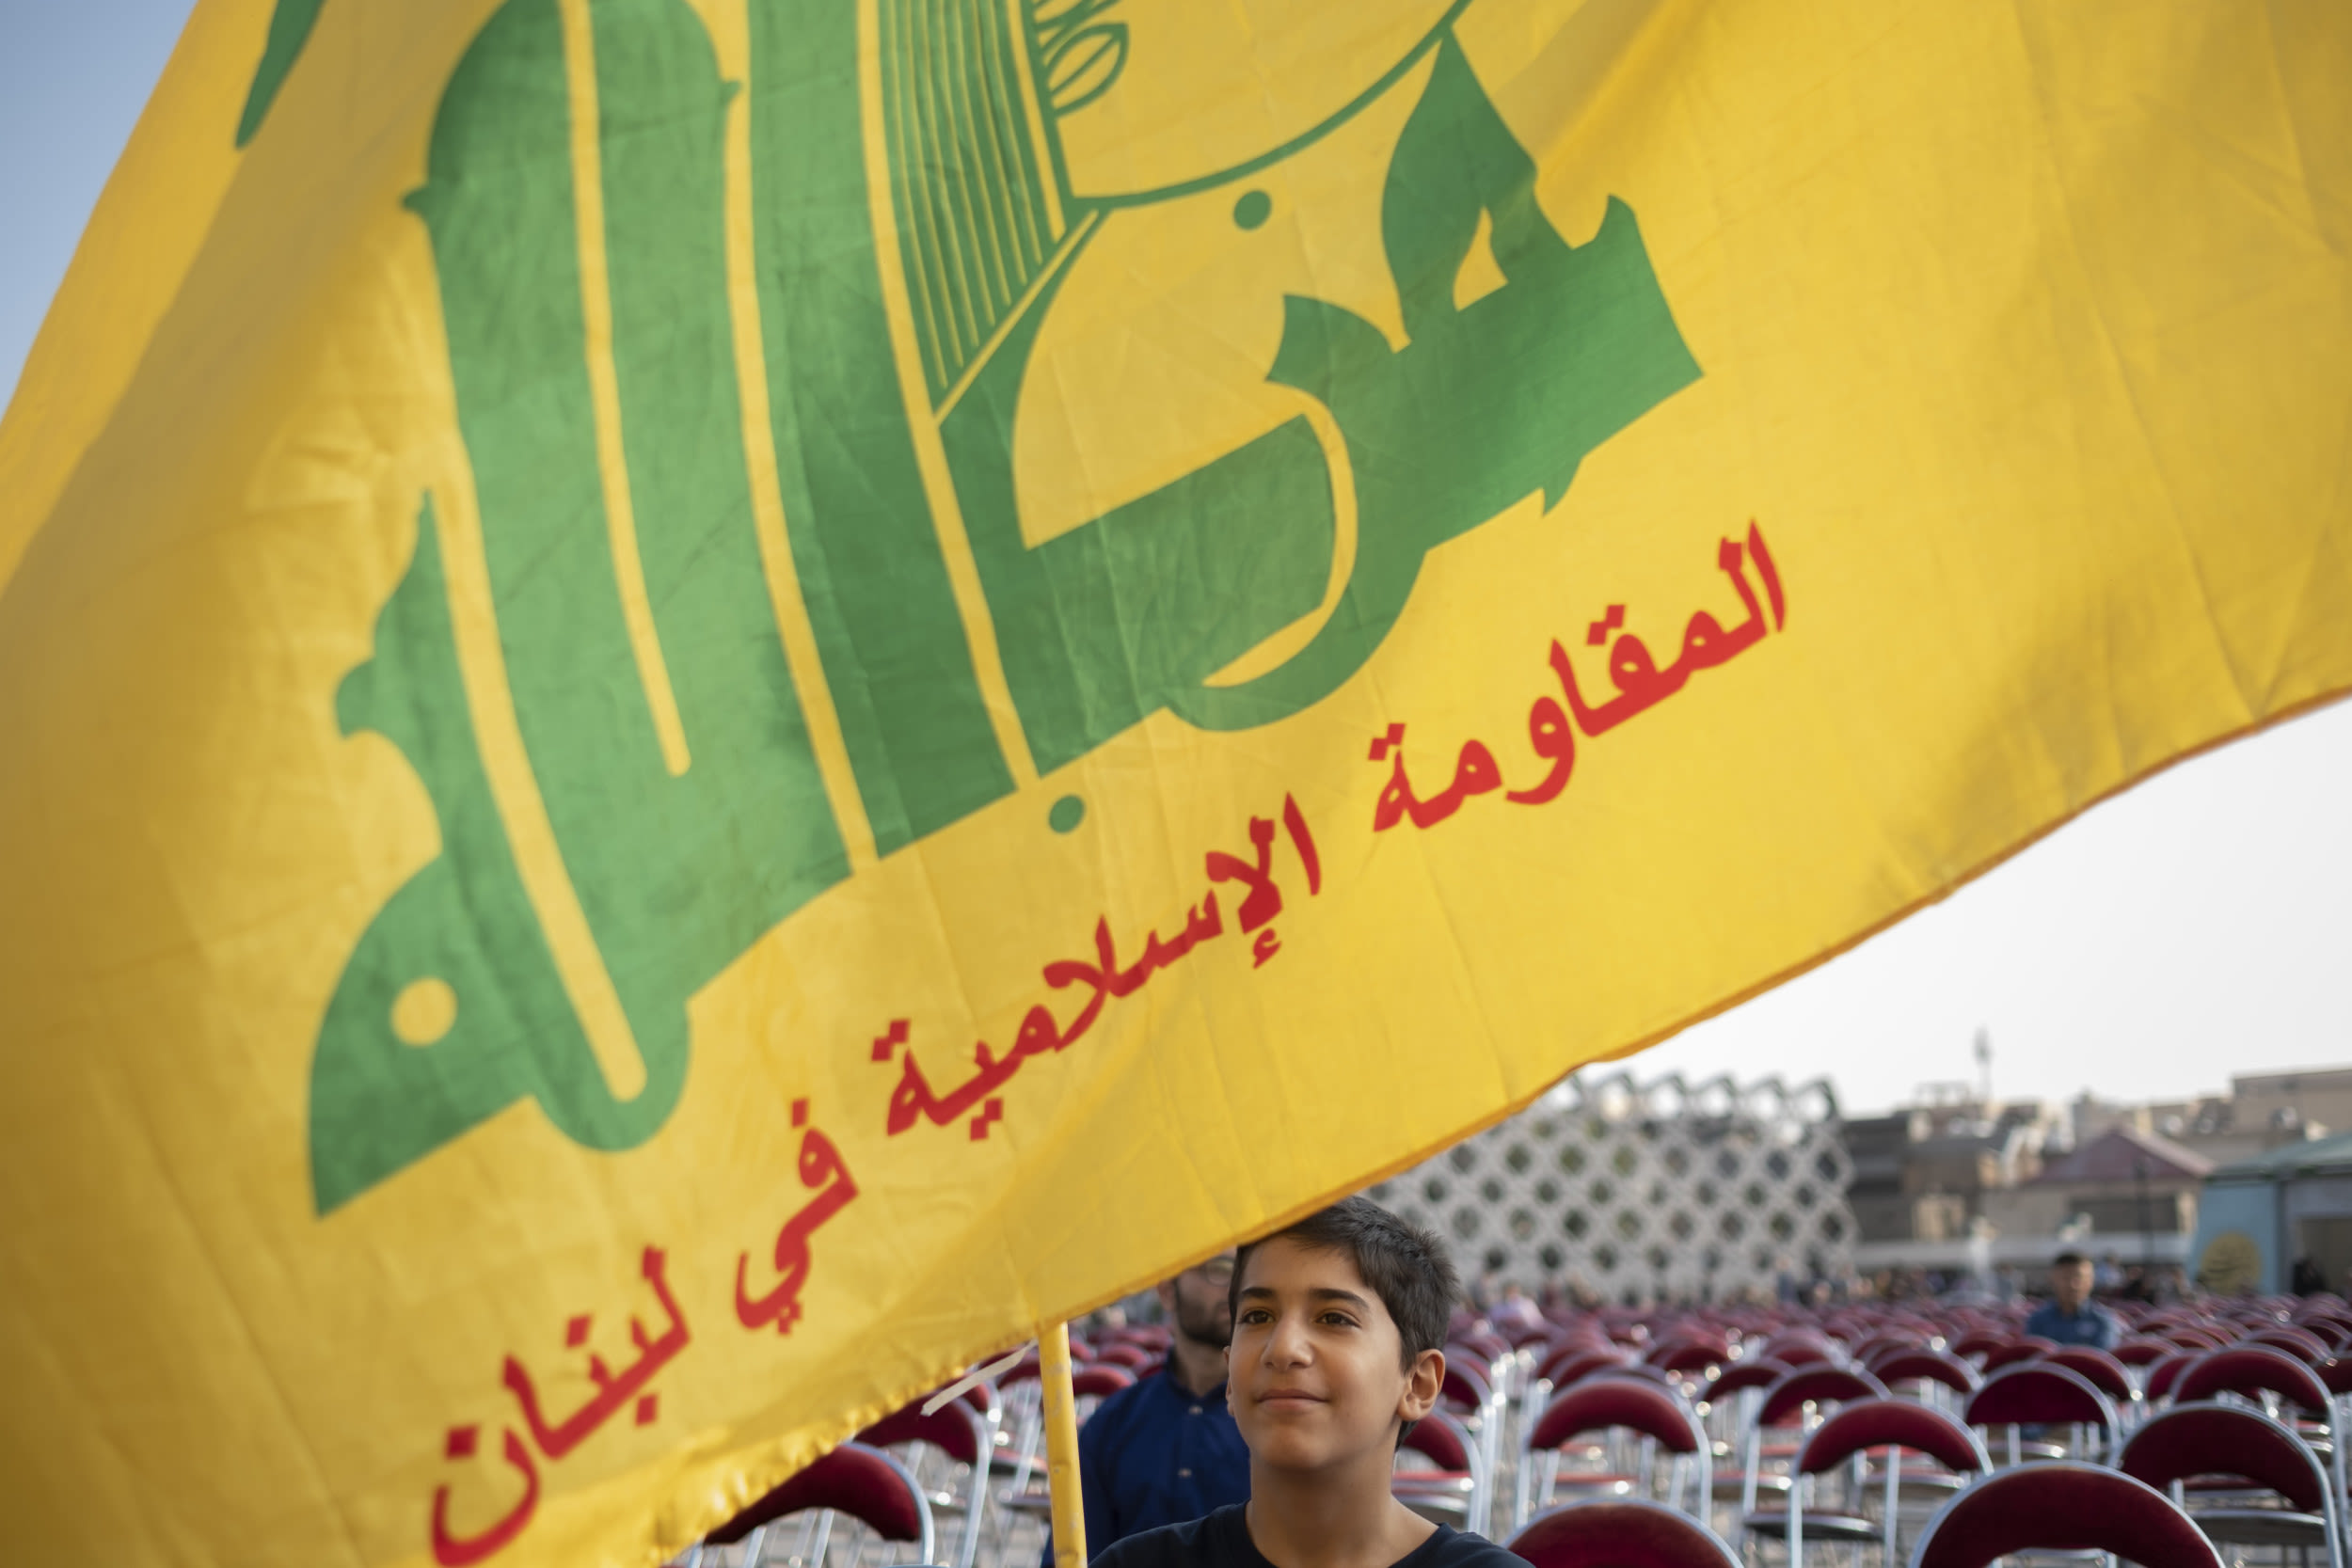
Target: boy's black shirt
(1221,1540)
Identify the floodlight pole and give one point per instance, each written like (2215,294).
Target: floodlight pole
(1061,1447)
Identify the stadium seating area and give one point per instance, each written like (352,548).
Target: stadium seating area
(1868,1435)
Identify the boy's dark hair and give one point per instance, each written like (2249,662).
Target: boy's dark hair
(2067,1259)
(1406,1266)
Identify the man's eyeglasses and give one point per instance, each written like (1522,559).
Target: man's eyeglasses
(1217,1271)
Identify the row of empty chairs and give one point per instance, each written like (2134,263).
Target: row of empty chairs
(956,1486)
(1769,1432)
(1832,1426)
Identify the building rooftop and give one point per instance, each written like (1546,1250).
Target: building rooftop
(2292,1081)
(2120,1154)
(2316,1157)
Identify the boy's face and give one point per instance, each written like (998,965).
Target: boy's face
(2071,1283)
(1312,1374)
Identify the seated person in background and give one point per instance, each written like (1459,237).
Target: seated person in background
(1166,1449)
(1515,1312)
(1338,1325)
(2070,1317)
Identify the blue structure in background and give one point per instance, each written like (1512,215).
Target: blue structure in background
(2259,1215)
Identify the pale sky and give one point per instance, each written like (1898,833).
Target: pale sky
(2199,926)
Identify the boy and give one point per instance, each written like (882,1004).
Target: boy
(1338,1325)
(2069,1316)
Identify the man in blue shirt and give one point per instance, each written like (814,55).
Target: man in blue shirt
(2070,1317)
(1166,1449)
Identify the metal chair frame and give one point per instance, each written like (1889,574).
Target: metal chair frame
(1792,1382)
(973,1504)
(1834,1442)
(1700,1454)
(2330,1517)
(2104,1417)
(1477,1500)
(1488,1412)
(818,1534)
(2100,1533)
(1586,1522)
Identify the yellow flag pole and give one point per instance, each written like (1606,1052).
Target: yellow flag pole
(1061,1447)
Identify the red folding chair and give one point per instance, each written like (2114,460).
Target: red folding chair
(1681,1383)
(1099,1383)
(962,1435)
(1621,1532)
(1924,1365)
(853,1481)
(1803,1349)
(2331,1324)
(1896,1426)
(2192,1441)
(2250,1371)
(2273,1378)
(2106,1373)
(1089,1388)
(1743,1375)
(1455,1483)
(982,1397)
(1462,1352)
(1885,1343)
(1656,1414)
(1478,1404)
(2157,1380)
(1524,1334)
(1569,1363)
(1791,1401)
(1785,1399)
(2140,1353)
(2062,1506)
(1691,1353)
(2335,1375)
(1731,1401)
(2036,1393)
(2301,1343)
(2028,1348)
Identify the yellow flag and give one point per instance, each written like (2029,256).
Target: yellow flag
(709,701)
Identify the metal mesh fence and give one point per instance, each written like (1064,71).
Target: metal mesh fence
(1635,1193)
